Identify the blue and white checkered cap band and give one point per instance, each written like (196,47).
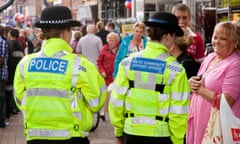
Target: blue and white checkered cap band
(157,21)
(54,21)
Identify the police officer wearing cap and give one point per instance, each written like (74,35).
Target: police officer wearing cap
(150,97)
(56,90)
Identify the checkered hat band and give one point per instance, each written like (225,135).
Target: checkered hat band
(54,21)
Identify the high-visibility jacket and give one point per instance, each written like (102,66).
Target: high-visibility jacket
(58,92)
(150,96)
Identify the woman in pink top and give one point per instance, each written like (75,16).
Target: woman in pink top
(220,74)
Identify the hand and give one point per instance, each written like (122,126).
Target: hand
(104,74)
(195,83)
(119,141)
(183,26)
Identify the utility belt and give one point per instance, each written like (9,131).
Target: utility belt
(160,118)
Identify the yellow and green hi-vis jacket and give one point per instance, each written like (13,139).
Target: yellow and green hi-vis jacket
(150,96)
(58,92)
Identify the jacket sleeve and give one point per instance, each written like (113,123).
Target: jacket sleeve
(179,106)
(91,85)
(19,84)
(116,104)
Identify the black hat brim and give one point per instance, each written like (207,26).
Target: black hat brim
(172,28)
(70,23)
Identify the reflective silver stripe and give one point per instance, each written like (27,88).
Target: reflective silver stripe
(127,67)
(103,89)
(49,133)
(163,56)
(47,92)
(79,95)
(59,54)
(56,55)
(73,101)
(24,99)
(40,54)
(78,115)
(85,133)
(129,93)
(94,102)
(143,120)
(163,111)
(173,73)
(179,109)
(18,54)
(21,68)
(116,103)
(150,84)
(73,97)
(74,105)
(76,64)
(128,106)
(163,97)
(180,96)
(120,90)
(18,101)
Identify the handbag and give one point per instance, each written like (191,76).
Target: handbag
(230,123)
(213,132)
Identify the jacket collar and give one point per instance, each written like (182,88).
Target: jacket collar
(54,45)
(156,45)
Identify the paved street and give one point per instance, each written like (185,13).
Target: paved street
(13,134)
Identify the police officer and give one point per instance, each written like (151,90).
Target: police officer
(150,100)
(57,90)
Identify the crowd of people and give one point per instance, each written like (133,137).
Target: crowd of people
(156,84)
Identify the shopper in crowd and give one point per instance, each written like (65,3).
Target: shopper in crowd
(150,97)
(101,32)
(3,76)
(110,27)
(57,90)
(24,39)
(105,63)
(15,54)
(218,74)
(130,44)
(183,13)
(6,29)
(76,37)
(90,45)
(83,30)
(179,50)
(30,37)
(37,43)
